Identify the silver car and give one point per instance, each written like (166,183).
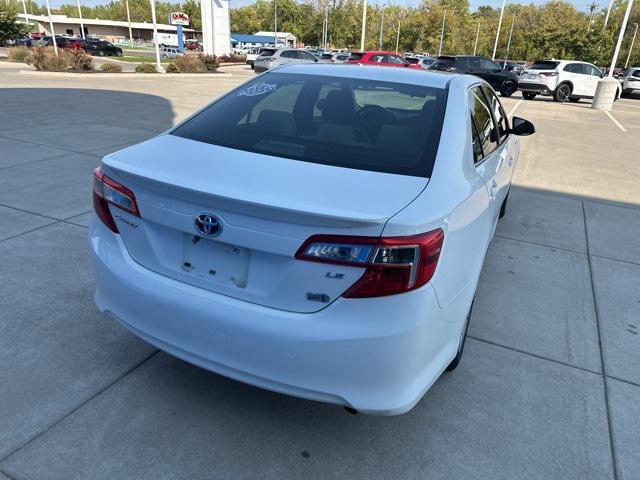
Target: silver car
(283,56)
(630,81)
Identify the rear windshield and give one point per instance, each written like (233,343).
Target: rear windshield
(346,122)
(327,56)
(636,73)
(356,56)
(444,62)
(267,52)
(544,65)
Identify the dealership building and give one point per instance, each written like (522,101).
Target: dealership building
(111,30)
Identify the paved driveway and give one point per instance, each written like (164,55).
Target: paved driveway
(549,387)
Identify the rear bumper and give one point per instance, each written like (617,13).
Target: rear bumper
(376,355)
(534,87)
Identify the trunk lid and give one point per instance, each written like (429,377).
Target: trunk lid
(267,207)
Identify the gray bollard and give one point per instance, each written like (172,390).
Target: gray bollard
(605,94)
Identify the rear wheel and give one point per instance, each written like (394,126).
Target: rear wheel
(463,338)
(562,93)
(528,95)
(508,88)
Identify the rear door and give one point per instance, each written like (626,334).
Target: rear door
(574,73)
(592,75)
(306,57)
(490,156)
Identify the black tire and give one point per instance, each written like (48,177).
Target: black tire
(508,88)
(562,93)
(456,360)
(503,207)
(100,53)
(574,99)
(528,95)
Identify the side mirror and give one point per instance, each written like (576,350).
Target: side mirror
(522,127)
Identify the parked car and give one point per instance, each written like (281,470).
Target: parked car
(413,60)
(23,42)
(426,62)
(102,48)
(503,81)
(380,59)
(630,81)
(193,45)
(282,56)
(255,53)
(47,41)
(169,51)
(335,57)
(564,80)
(321,235)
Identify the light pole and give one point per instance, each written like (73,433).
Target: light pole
(475,45)
(506,55)
(155,34)
(398,37)
(53,33)
(444,17)
(129,22)
(275,24)
(592,8)
(381,28)
(24,5)
(626,64)
(495,47)
(606,19)
(364,24)
(607,89)
(80,16)
(326,27)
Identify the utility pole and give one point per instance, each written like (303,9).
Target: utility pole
(24,5)
(364,24)
(129,21)
(326,27)
(53,33)
(495,47)
(506,55)
(155,34)
(633,40)
(620,37)
(444,16)
(398,37)
(475,45)
(592,9)
(81,23)
(381,28)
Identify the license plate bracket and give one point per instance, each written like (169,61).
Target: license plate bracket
(215,261)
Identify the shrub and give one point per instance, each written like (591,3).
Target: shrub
(189,64)
(45,59)
(19,54)
(233,58)
(111,68)
(78,61)
(210,62)
(173,68)
(146,67)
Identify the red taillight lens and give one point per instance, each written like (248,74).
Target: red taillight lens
(105,191)
(549,74)
(393,264)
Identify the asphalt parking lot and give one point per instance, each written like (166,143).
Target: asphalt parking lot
(549,386)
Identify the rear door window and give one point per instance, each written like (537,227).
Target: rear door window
(346,122)
(499,114)
(483,121)
(591,70)
(573,68)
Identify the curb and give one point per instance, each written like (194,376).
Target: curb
(99,74)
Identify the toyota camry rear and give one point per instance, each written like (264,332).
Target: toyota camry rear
(292,234)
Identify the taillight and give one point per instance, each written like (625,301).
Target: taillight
(392,264)
(549,74)
(107,190)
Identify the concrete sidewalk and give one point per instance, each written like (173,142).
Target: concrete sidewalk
(549,386)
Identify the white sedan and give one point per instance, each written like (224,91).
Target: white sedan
(318,231)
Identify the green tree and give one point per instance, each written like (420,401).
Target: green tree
(9,28)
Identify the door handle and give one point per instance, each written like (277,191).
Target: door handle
(493,190)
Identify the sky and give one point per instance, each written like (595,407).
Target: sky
(579,4)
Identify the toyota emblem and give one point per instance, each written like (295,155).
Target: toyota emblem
(208,225)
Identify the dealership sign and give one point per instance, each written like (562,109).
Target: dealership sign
(178,18)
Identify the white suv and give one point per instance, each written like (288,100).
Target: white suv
(283,56)
(565,80)
(630,81)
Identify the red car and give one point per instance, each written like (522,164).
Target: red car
(382,59)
